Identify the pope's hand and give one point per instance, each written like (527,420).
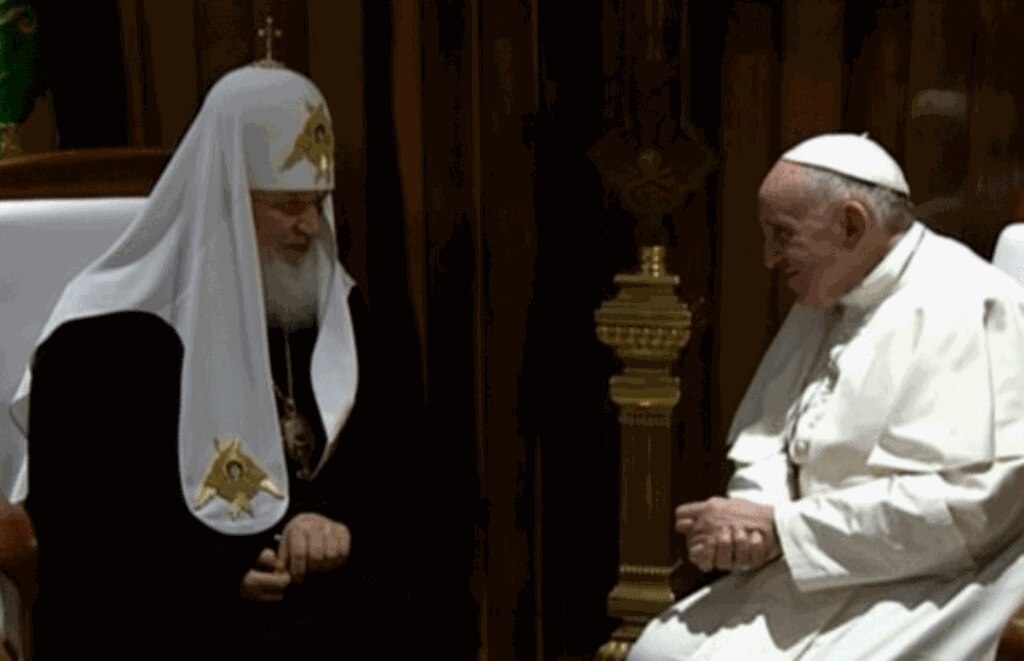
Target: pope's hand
(313,543)
(728,533)
(267,581)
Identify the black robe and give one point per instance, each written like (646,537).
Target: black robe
(122,561)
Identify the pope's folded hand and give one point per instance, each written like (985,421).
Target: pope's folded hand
(727,533)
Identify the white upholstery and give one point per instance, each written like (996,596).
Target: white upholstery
(43,244)
(1009,253)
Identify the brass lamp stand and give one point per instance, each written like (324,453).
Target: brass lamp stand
(647,326)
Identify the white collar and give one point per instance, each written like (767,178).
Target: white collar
(886,275)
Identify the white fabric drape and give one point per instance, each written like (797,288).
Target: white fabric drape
(43,244)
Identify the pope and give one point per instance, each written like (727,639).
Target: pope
(877,497)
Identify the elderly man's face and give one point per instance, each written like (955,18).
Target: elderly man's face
(806,239)
(287,222)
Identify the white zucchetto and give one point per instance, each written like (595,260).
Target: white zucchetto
(851,155)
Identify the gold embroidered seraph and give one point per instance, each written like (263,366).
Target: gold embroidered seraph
(234,476)
(315,143)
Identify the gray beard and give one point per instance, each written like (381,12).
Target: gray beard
(291,293)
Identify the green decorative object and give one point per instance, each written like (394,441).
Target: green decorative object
(21,76)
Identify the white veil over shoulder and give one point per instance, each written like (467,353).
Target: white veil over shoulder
(191,258)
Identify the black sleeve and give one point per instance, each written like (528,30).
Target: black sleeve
(104,492)
(372,482)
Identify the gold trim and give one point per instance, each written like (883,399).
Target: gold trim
(315,143)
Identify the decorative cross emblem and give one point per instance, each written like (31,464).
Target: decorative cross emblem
(268,34)
(234,476)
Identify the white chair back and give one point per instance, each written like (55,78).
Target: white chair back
(43,244)
(1009,253)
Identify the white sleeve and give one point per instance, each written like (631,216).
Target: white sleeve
(950,465)
(902,526)
(767,481)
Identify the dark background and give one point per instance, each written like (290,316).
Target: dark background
(481,232)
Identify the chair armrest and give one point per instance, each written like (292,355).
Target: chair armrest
(1011,643)
(18,548)
(18,561)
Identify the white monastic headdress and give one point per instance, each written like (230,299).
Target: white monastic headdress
(855,156)
(191,258)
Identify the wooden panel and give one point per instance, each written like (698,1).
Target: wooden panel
(226,38)
(336,65)
(812,69)
(995,179)
(812,88)
(39,131)
(81,173)
(172,80)
(616,65)
(936,155)
(407,63)
(879,58)
(701,427)
(130,12)
(582,241)
(508,96)
(693,255)
(85,68)
(749,147)
(454,345)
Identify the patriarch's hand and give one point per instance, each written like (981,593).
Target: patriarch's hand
(313,543)
(266,581)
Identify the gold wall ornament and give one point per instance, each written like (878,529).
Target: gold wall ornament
(652,179)
(315,143)
(10,140)
(234,476)
(647,325)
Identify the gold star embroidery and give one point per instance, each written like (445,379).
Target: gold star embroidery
(315,143)
(235,477)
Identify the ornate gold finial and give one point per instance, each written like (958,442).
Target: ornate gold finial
(10,140)
(268,34)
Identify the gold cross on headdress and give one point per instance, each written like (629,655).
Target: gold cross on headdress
(268,34)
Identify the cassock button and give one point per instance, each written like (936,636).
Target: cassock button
(800,448)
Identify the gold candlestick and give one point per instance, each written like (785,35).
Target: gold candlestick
(647,325)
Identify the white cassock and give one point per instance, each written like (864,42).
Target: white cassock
(888,433)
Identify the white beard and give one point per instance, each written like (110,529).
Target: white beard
(291,293)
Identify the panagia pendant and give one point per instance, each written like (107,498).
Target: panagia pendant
(298,439)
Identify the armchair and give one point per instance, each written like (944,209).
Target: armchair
(58,212)
(1009,257)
